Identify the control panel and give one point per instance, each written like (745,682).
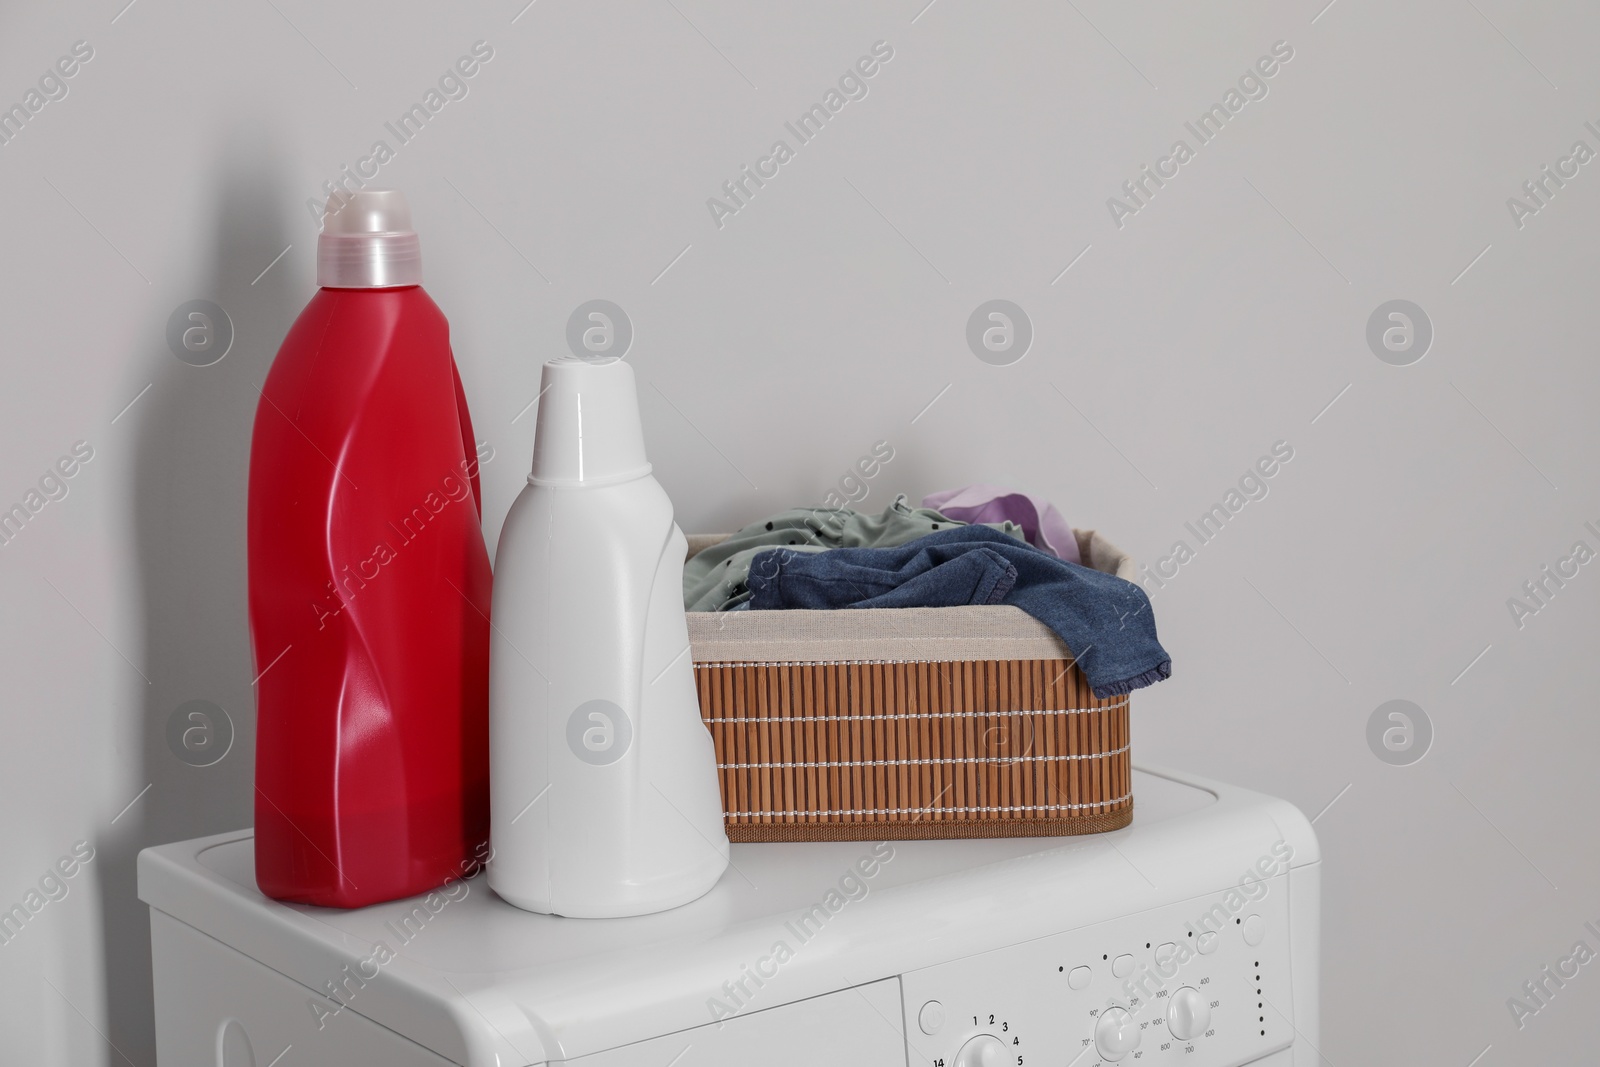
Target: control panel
(1203,983)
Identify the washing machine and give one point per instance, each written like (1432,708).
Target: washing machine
(1189,937)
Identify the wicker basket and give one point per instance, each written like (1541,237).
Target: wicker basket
(908,723)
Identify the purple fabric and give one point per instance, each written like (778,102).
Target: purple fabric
(1041,523)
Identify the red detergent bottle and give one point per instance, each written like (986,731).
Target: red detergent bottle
(369,584)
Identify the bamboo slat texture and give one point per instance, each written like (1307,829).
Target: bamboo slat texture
(867,750)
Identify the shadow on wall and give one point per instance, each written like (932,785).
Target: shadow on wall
(190,478)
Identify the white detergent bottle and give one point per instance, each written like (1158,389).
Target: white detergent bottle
(603,780)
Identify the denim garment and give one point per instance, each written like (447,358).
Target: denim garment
(714,579)
(1105,621)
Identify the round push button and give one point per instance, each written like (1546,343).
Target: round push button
(1122,966)
(1255,928)
(1078,977)
(1207,943)
(931,1017)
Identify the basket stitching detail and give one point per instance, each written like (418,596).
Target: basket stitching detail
(908,811)
(921,762)
(706,664)
(1120,703)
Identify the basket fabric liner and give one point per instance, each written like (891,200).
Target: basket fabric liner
(909,722)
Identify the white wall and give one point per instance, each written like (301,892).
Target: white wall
(1222,317)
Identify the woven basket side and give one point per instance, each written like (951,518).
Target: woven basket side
(851,750)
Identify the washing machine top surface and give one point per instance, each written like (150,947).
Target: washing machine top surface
(471,977)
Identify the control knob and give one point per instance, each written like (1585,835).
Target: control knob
(1116,1034)
(1189,1014)
(985,1050)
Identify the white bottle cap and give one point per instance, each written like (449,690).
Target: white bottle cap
(588,433)
(367,242)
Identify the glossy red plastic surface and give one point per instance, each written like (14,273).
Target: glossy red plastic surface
(369,607)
